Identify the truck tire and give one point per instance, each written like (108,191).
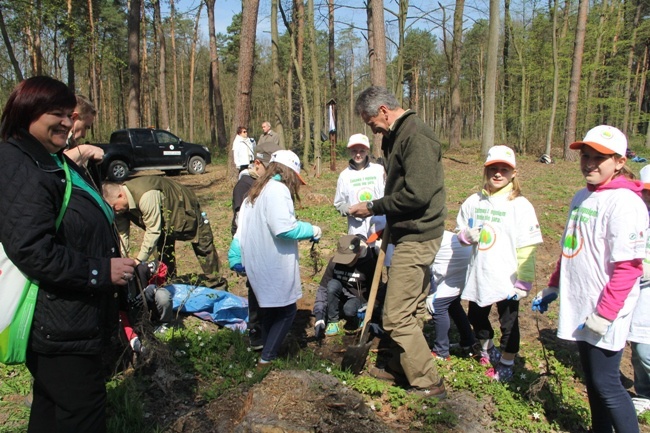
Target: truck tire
(196,165)
(117,171)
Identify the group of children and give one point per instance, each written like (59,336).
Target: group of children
(489,260)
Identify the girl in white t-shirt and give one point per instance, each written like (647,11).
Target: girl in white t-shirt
(597,275)
(266,247)
(502,227)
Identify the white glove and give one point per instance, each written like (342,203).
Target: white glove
(472,235)
(317,233)
(519,291)
(343,208)
(429,302)
(597,323)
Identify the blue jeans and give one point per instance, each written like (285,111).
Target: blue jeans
(446,308)
(641,365)
(276,323)
(611,405)
(336,298)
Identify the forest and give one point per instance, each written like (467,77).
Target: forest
(530,74)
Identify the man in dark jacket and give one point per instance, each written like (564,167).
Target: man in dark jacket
(414,205)
(167,211)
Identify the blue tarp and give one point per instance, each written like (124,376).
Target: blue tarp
(218,306)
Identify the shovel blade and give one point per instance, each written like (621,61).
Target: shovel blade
(355,357)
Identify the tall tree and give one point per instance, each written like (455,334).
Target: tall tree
(556,77)
(574,84)
(195,39)
(172,38)
(316,85)
(69,42)
(627,98)
(10,50)
(377,54)
(244,72)
(275,61)
(163,108)
(489,105)
(222,137)
(134,64)
(456,121)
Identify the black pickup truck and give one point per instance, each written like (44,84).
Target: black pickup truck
(150,149)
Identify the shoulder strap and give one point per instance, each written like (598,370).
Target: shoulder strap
(66,195)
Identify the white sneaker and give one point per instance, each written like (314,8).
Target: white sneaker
(161,329)
(641,404)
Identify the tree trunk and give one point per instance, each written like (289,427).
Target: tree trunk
(377,54)
(10,51)
(487,139)
(315,77)
(507,99)
(93,55)
(244,73)
(146,107)
(195,39)
(172,37)
(574,84)
(590,113)
(455,131)
(556,80)
(275,66)
(401,32)
(222,137)
(69,42)
(162,66)
(627,99)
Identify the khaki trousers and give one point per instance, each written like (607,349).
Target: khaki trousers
(404,310)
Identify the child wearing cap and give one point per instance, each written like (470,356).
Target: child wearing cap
(640,328)
(502,228)
(597,275)
(267,240)
(361,181)
(345,285)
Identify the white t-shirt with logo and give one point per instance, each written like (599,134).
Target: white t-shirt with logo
(506,226)
(356,186)
(271,262)
(603,228)
(640,328)
(449,269)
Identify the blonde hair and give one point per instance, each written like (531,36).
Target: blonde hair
(516,185)
(287,177)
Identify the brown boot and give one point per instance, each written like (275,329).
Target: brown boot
(437,391)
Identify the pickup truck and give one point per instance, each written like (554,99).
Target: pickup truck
(150,149)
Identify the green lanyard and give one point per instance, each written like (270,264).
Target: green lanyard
(68,190)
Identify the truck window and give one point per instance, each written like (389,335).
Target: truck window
(143,138)
(120,137)
(165,137)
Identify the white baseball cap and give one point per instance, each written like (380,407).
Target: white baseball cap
(644,175)
(498,154)
(288,159)
(604,139)
(358,139)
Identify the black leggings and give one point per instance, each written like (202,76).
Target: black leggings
(479,317)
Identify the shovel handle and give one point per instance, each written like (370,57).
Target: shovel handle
(375,284)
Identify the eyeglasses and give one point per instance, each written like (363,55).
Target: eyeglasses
(244,132)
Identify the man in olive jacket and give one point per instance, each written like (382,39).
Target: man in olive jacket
(414,205)
(167,211)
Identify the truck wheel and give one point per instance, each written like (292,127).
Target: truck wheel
(196,165)
(117,170)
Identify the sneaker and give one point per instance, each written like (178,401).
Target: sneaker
(440,358)
(255,339)
(501,372)
(641,405)
(490,357)
(437,391)
(263,366)
(332,329)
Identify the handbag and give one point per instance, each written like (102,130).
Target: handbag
(18,295)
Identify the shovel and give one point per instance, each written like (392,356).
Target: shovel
(355,356)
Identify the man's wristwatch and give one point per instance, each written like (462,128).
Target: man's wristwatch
(369,206)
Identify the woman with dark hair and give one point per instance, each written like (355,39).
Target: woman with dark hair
(243,149)
(77,265)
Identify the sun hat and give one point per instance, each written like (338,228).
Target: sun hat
(644,175)
(358,139)
(604,139)
(348,249)
(498,154)
(264,151)
(288,159)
